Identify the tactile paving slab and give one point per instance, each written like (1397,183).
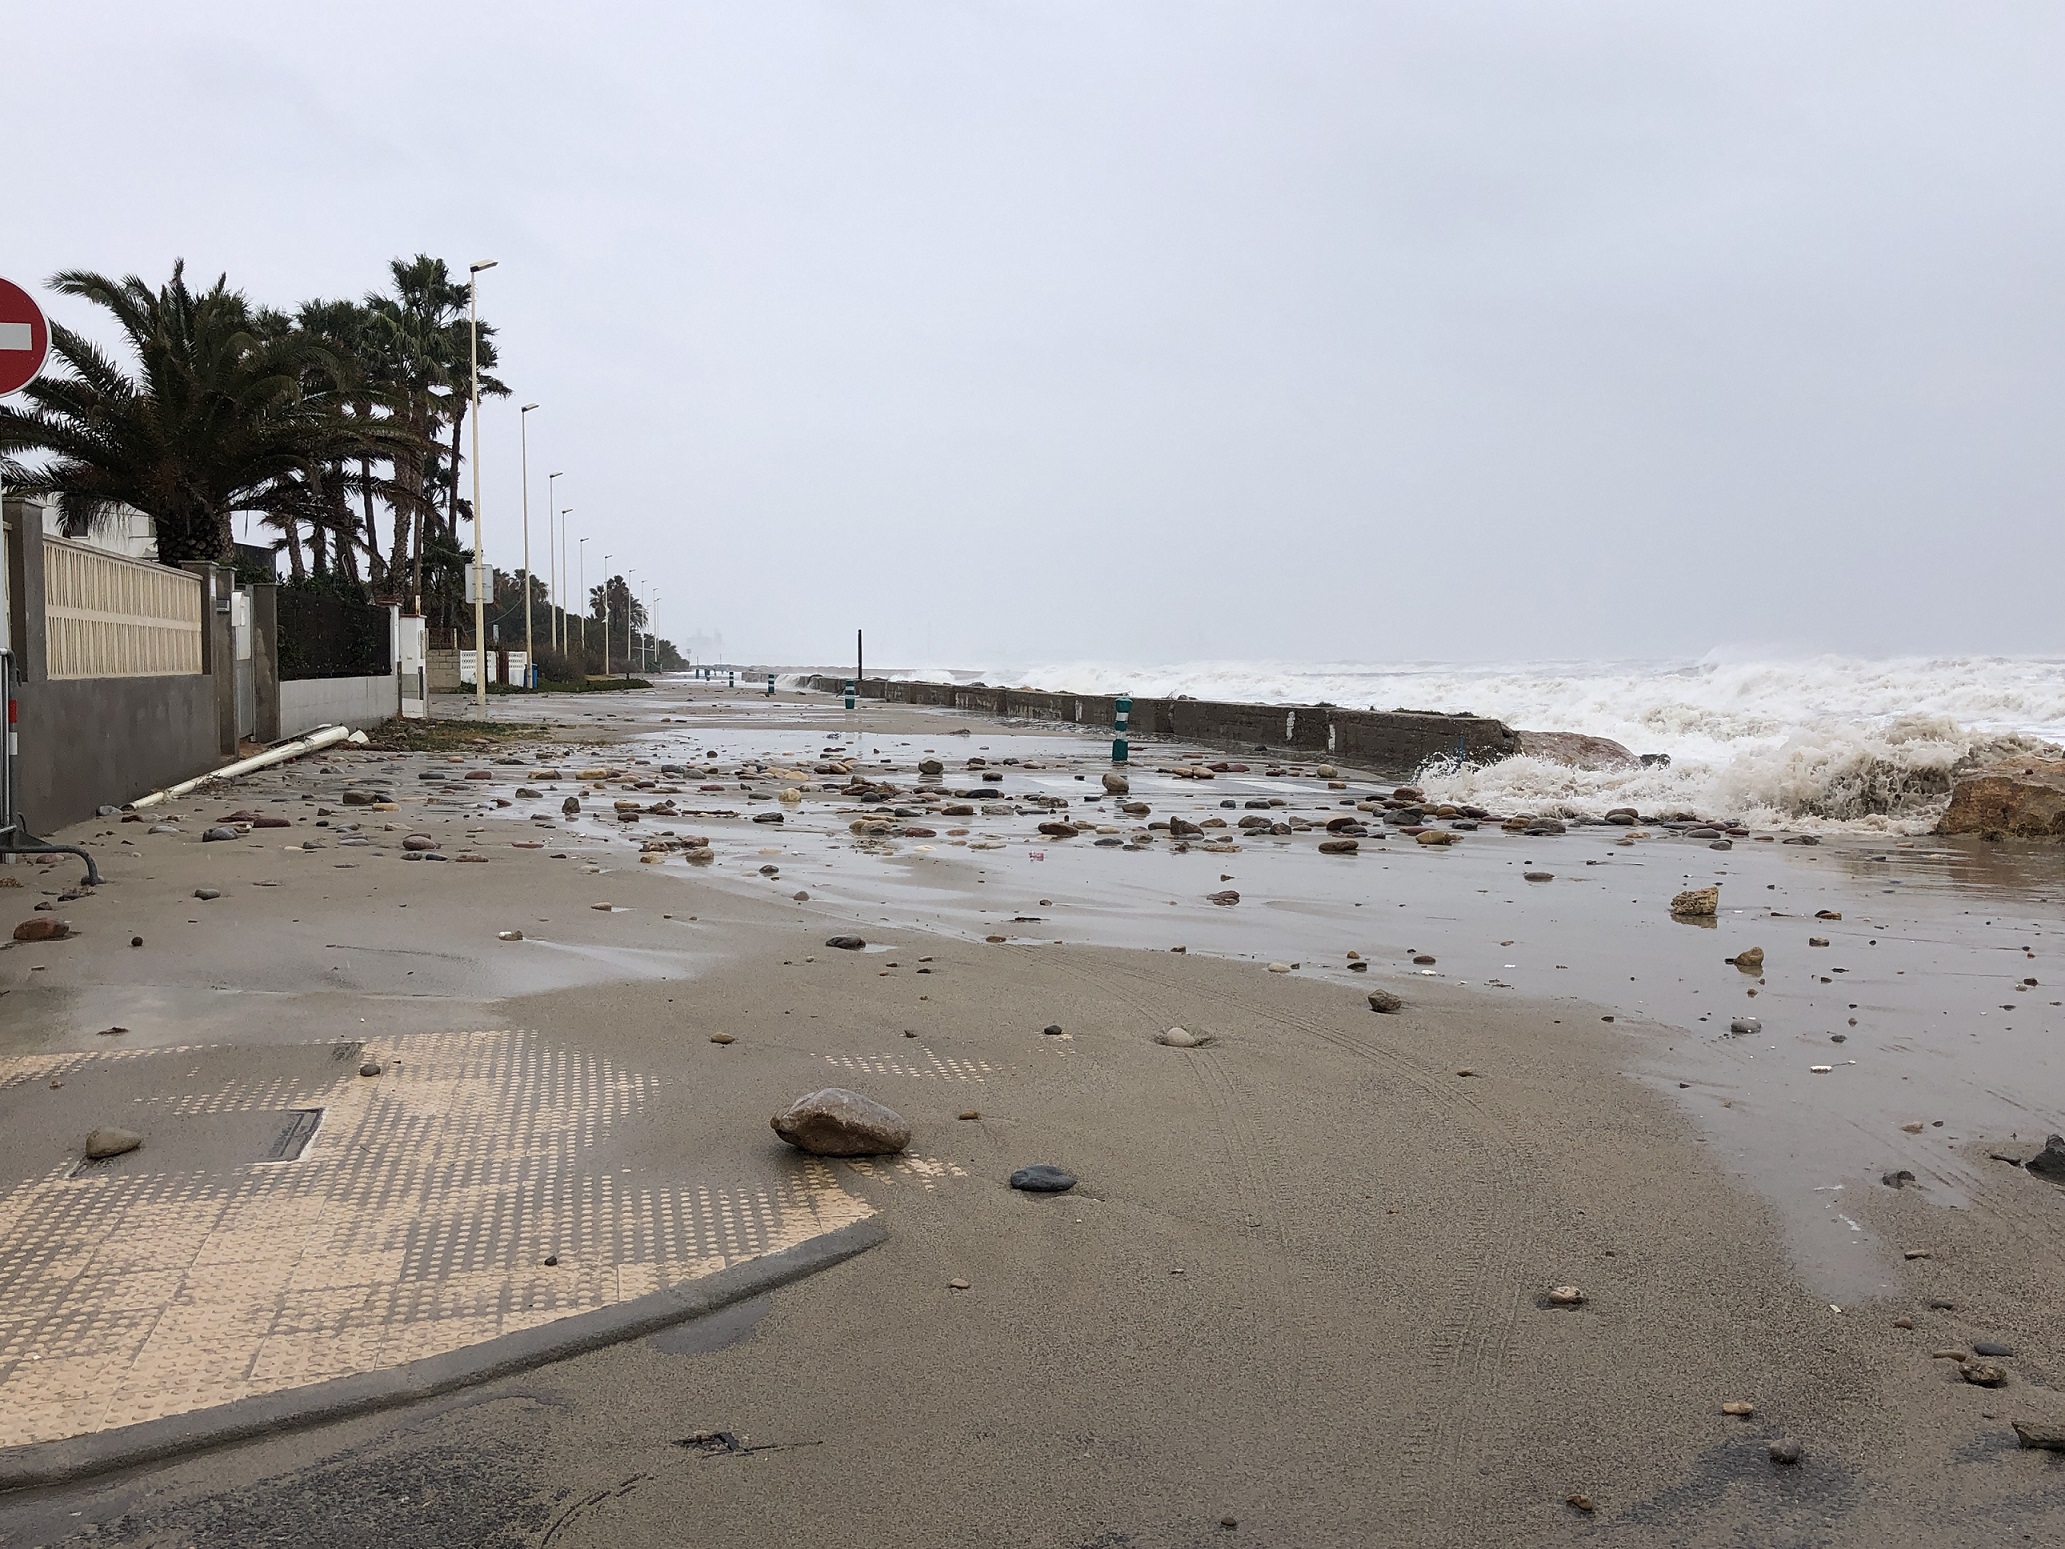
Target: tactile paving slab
(415,1220)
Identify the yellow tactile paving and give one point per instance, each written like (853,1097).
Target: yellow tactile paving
(937,1066)
(416,1221)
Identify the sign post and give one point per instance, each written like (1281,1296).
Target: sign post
(24,342)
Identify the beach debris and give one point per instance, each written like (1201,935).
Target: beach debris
(112,1032)
(110,1141)
(1817,941)
(969,1113)
(217,835)
(1538,876)
(1117,784)
(2047,1163)
(1993,1348)
(1384,1003)
(1226,897)
(1042,1178)
(1279,968)
(837,1122)
(1741,1408)
(767,817)
(2044,1435)
(1751,958)
(207,894)
(509,935)
(1563,1296)
(370,1068)
(1697,903)
(722,1038)
(1181,1038)
(1827,914)
(1343,846)
(1982,1374)
(1431,836)
(1820,1070)
(43,930)
(1052,1030)
(1785,1452)
(958,1284)
(1581,1502)
(1745,1027)
(1897,1180)
(845,943)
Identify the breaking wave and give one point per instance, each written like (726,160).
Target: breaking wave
(1818,742)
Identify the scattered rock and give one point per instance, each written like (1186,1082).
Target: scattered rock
(509,935)
(1180,1038)
(1581,1502)
(1279,968)
(205,894)
(1745,1027)
(2044,1435)
(217,835)
(1697,903)
(1992,1347)
(801,898)
(1750,957)
(836,1122)
(2047,1163)
(1431,836)
(1385,1003)
(957,1285)
(845,943)
(1117,784)
(418,842)
(1226,896)
(1564,1296)
(136,941)
(1785,1451)
(722,1038)
(1983,1374)
(370,1068)
(1817,941)
(969,1113)
(1343,846)
(1052,1030)
(113,1032)
(43,930)
(1043,1178)
(1897,1180)
(109,1141)
(1538,876)
(1741,1408)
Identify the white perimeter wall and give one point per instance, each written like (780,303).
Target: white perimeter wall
(306,703)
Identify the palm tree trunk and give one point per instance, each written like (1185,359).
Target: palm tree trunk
(452,498)
(296,568)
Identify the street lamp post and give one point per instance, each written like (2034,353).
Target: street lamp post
(605,615)
(480,603)
(630,616)
(523,422)
(552,560)
(581,550)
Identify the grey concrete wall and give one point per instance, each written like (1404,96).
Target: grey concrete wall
(265,660)
(1393,744)
(360,703)
(88,742)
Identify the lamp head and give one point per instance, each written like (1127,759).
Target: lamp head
(485,263)
(527,408)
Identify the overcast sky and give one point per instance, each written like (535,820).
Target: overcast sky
(1056,329)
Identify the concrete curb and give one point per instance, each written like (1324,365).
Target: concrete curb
(151,1441)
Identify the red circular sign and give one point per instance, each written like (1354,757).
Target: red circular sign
(24,337)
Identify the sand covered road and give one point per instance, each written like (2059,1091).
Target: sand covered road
(1298,1286)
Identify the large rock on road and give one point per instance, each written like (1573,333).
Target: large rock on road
(836,1122)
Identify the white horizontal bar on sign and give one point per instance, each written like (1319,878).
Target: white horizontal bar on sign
(17,336)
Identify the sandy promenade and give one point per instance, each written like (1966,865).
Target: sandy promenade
(1298,1297)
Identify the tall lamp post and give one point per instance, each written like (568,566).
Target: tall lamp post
(581,549)
(480,601)
(630,616)
(605,615)
(530,657)
(552,560)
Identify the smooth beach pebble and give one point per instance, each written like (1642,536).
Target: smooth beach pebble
(509,935)
(370,1068)
(1564,1296)
(1043,1178)
(1785,1451)
(722,1038)
(845,943)
(969,1113)
(1740,1408)
(1279,968)
(957,1285)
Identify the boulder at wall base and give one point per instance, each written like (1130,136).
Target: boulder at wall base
(836,1122)
(1575,749)
(2024,797)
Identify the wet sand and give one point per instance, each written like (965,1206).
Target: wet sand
(1298,1284)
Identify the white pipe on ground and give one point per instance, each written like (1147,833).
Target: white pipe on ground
(325,737)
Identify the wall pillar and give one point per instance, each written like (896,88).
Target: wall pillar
(265,658)
(218,649)
(25,591)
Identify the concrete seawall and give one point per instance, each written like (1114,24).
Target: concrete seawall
(1390,743)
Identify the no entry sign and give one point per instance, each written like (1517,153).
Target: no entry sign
(24,337)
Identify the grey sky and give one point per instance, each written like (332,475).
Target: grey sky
(1085,328)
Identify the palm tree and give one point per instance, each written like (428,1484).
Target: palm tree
(214,419)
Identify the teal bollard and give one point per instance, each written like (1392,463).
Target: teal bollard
(770,685)
(849,693)
(1124,709)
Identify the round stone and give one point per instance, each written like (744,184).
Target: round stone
(1042,1178)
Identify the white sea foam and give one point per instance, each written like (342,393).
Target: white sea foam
(1819,742)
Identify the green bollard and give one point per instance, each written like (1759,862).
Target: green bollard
(770,685)
(1124,707)
(849,693)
